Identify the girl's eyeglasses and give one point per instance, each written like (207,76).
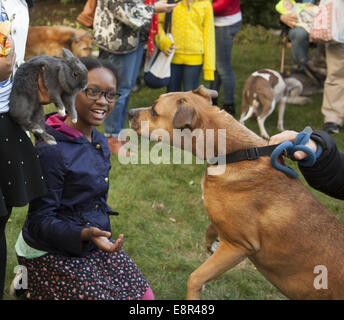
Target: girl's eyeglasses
(95,94)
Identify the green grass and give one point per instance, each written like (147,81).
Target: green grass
(168,244)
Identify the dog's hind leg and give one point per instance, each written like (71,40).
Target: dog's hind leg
(246,116)
(224,258)
(281,110)
(268,104)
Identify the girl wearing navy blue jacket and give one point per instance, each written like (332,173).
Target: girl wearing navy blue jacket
(66,242)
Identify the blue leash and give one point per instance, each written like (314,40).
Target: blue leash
(291,147)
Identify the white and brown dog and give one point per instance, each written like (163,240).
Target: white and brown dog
(262,91)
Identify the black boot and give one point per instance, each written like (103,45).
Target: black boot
(229,108)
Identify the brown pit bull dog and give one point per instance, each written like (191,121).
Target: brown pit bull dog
(257,211)
(49,41)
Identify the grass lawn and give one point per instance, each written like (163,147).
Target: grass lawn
(167,241)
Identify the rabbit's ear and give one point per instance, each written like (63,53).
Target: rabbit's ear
(67,53)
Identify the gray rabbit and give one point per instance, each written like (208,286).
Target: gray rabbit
(63,77)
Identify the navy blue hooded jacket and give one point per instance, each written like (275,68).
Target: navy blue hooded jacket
(76,173)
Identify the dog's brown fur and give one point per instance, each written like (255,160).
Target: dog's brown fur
(49,41)
(258,212)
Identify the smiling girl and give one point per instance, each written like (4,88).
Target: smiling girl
(66,242)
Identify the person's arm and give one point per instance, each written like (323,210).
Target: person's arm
(289,19)
(209,44)
(327,174)
(138,16)
(220,5)
(7,62)
(161,40)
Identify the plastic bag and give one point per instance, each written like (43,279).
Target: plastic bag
(328,24)
(157,69)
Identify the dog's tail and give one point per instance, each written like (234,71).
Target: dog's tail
(298,100)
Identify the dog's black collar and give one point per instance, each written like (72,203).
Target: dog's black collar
(245,154)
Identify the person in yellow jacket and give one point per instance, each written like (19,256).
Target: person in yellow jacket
(193,33)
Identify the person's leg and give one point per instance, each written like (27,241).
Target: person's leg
(224,37)
(191,76)
(128,66)
(216,85)
(333,105)
(299,46)
(3,249)
(175,84)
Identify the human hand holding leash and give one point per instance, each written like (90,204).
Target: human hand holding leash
(101,239)
(290,135)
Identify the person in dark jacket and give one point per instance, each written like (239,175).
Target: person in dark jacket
(326,175)
(66,242)
(20,172)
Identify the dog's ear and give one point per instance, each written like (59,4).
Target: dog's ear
(185,117)
(206,93)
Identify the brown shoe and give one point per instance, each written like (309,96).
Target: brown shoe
(115,146)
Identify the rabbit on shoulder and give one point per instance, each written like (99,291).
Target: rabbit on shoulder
(63,78)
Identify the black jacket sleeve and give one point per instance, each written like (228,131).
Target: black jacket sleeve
(327,175)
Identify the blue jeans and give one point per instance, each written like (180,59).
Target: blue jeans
(128,68)
(224,74)
(299,45)
(184,75)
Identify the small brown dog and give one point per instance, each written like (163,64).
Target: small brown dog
(49,41)
(257,211)
(262,91)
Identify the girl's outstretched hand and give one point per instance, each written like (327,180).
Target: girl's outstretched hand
(101,239)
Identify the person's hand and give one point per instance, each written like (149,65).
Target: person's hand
(101,239)
(7,62)
(43,95)
(170,49)
(161,6)
(290,19)
(289,135)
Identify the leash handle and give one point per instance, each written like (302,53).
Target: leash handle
(299,145)
(285,146)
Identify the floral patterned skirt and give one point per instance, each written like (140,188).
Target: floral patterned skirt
(99,276)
